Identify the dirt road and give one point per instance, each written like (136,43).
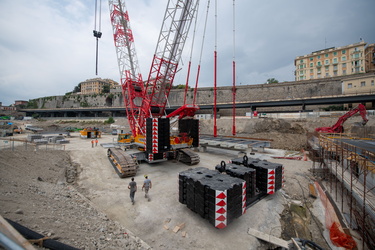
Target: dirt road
(149,220)
(61,212)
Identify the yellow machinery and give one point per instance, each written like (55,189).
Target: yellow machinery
(90,133)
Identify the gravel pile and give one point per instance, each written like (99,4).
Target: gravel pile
(34,193)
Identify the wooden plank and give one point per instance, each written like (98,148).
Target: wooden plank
(269,238)
(14,235)
(296,244)
(178,227)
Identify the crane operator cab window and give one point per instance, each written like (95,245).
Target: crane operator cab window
(124,136)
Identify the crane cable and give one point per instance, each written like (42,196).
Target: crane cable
(97,33)
(234,72)
(215,72)
(191,53)
(201,52)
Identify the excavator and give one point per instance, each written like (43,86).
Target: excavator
(145,101)
(338,126)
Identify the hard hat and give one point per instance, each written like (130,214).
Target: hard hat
(145,176)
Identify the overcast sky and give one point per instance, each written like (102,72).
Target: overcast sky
(47,46)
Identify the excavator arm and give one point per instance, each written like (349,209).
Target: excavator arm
(338,126)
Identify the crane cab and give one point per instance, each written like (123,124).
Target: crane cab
(125,138)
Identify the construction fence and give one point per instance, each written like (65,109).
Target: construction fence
(348,170)
(14,144)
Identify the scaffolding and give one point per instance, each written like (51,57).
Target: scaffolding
(347,165)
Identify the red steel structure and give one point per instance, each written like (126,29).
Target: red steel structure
(130,76)
(148,99)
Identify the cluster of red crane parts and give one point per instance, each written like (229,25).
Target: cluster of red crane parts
(338,126)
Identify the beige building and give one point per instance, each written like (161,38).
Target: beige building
(359,84)
(370,58)
(347,60)
(96,85)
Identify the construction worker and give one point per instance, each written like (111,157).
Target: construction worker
(147,185)
(92,143)
(133,188)
(96,142)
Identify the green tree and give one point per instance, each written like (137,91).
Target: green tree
(179,86)
(271,80)
(110,120)
(77,88)
(106,89)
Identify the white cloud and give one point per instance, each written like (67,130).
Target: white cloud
(47,47)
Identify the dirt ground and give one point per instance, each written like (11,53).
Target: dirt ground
(75,196)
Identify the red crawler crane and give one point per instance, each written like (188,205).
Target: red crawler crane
(145,102)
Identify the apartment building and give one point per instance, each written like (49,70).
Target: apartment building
(346,60)
(96,85)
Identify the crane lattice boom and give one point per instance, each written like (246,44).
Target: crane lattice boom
(131,79)
(149,100)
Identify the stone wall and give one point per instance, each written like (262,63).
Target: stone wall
(77,101)
(261,92)
(246,93)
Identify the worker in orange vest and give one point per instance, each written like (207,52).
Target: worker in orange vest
(96,142)
(92,143)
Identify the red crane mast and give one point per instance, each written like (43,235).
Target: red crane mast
(130,76)
(173,34)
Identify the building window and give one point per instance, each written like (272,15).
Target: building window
(343,58)
(350,85)
(335,68)
(318,64)
(327,74)
(363,84)
(335,53)
(312,71)
(356,56)
(344,71)
(318,57)
(301,61)
(311,64)
(311,58)
(326,55)
(343,51)
(326,68)
(372,82)
(326,62)
(335,60)
(344,65)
